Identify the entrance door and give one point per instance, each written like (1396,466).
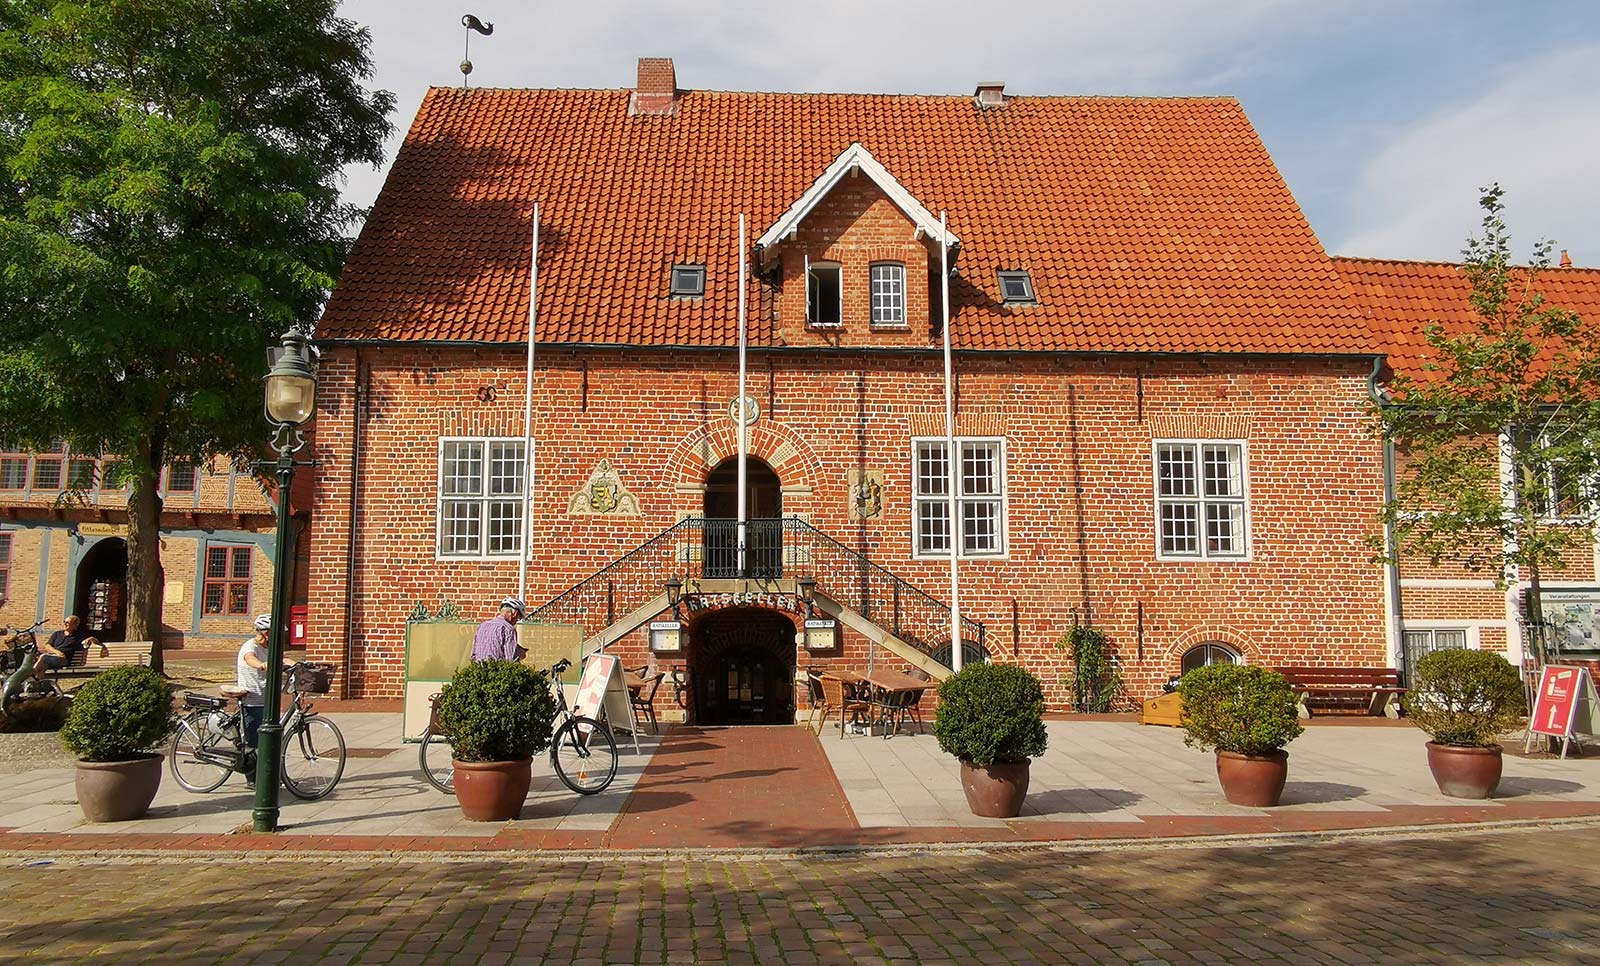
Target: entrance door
(764,511)
(743,662)
(102,577)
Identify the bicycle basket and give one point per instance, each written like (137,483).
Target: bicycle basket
(313,678)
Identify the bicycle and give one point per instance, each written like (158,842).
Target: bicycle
(313,750)
(583,751)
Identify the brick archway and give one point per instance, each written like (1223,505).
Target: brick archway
(742,663)
(1223,634)
(780,447)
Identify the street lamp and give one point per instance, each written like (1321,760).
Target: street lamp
(291,400)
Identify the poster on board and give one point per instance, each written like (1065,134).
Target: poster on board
(1563,706)
(603,695)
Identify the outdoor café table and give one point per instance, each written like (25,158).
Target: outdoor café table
(890,688)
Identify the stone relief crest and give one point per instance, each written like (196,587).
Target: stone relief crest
(866,494)
(604,494)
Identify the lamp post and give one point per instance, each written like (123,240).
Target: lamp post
(291,399)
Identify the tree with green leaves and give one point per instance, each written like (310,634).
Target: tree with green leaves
(169,207)
(1498,436)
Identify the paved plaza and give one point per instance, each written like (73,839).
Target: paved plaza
(782,787)
(1522,897)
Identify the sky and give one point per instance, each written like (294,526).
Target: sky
(1384,118)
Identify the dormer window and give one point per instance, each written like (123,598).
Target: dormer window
(888,293)
(688,281)
(1016,288)
(824,294)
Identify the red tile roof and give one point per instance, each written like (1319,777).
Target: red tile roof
(1149,224)
(1401,298)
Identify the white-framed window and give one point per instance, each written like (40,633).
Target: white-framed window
(1207,654)
(888,293)
(481,489)
(981,503)
(1423,640)
(1202,499)
(824,294)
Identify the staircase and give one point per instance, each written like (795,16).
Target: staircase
(703,554)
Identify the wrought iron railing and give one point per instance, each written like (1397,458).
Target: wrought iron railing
(701,548)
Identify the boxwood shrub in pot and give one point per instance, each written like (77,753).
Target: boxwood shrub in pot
(991,717)
(114,722)
(1465,700)
(498,715)
(1248,715)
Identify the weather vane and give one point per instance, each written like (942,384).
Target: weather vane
(471,23)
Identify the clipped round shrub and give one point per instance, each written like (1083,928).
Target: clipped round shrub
(497,711)
(120,715)
(1239,708)
(1466,698)
(991,713)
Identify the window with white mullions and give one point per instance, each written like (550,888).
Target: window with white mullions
(824,294)
(482,483)
(1201,503)
(981,500)
(888,294)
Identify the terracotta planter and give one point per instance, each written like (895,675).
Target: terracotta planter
(995,791)
(1462,772)
(1252,780)
(492,791)
(115,791)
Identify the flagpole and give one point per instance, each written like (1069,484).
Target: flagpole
(953,455)
(738,408)
(527,413)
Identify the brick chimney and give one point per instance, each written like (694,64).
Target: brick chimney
(1566,260)
(657,92)
(990,94)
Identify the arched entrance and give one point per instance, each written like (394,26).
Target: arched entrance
(764,511)
(742,662)
(102,582)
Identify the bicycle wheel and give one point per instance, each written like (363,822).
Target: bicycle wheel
(584,755)
(313,758)
(196,757)
(434,756)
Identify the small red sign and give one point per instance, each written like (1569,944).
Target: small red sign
(1554,707)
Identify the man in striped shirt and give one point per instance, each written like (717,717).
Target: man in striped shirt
(496,638)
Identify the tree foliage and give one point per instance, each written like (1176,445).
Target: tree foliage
(497,711)
(1240,708)
(169,206)
(991,713)
(1465,697)
(119,715)
(1498,436)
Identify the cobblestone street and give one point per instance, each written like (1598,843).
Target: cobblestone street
(1521,896)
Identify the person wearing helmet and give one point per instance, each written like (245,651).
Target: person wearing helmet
(496,638)
(250,671)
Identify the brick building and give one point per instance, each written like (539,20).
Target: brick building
(63,547)
(1160,382)
(1448,605)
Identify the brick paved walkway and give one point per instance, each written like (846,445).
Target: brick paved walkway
(722,787)
(1445,898)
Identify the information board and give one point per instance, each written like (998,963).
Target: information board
(1564,704)
(603,694)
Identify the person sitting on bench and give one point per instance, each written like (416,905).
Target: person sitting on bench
(58,652)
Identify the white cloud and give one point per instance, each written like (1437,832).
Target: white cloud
(1537,133)
(897,46)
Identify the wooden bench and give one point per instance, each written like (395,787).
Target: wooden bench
(97,657)
(1369,690)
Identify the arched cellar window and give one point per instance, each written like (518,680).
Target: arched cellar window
(1207,654)
(970,654)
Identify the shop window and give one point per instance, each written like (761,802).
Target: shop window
(981,502)
(1200,499)
(227,583)
(481,487)
(5,566)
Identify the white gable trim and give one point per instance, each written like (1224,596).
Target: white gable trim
(855,158)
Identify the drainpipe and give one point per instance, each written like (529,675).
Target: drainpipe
(358,411)
(1392,565)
